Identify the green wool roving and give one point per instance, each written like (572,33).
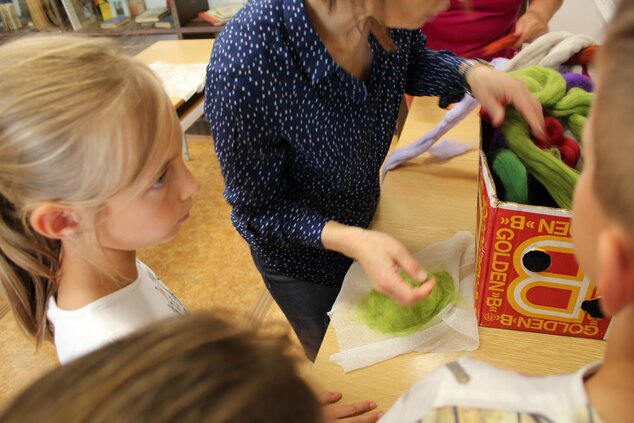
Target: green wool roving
(554,152)
(546,84)
(559,179)
(549,87)
(574,106)
(576,101)
(384,315)
(513,176)
(576,124)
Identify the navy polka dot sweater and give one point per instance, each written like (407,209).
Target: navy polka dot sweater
(300,141)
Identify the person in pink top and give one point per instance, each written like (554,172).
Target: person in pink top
(466,29)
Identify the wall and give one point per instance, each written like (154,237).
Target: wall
(583,17)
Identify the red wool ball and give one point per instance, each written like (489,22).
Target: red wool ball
(554,130)
(570,152)
(484,116)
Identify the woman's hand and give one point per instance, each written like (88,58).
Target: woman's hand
(534,22)
(382,258)
(530,26)
(357,412)
(496,89)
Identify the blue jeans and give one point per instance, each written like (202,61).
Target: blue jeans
(304,304)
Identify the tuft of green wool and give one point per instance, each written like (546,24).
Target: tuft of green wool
(559,179)
(576,124)
(513,175)
(549,87)
(384,315)
(546,84)
(576,102)
(554,152)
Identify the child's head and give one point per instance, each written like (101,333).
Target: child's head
(197,368)
(603,224)
(89,160)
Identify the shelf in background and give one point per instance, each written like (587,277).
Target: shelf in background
(27,31)
(191,28)
(193,25)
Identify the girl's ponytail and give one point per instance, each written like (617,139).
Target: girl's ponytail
(28,266)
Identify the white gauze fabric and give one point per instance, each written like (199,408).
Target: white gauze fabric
(453,329)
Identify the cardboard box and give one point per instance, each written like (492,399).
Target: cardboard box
(527,277)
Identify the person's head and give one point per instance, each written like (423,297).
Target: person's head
(197,368)
(603,210)
(89,160)
(406,14)
(379,15)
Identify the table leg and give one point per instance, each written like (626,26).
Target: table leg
(185,148)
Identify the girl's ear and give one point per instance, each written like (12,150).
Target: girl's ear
(616,270)
(53,221)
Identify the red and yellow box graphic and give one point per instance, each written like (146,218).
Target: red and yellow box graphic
(527,277)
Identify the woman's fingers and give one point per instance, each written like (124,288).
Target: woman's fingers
(391,283)
(403,293)
(529,107)
(362,418)
(350,410)
(409,264)
(327,397)
(494,108)
(495,90)
(383,258)
(358,412)
(530,26)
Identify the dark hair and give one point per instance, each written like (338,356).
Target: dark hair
(197,368)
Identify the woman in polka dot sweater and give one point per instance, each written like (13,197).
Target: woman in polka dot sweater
(303,97)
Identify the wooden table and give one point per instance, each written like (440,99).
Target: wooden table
(181,52)
(424,202)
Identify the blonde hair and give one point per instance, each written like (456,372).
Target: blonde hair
(196,368)
(613,127)
(78,121)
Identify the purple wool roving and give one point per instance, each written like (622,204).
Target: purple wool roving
(578,80)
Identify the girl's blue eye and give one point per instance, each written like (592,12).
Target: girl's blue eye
(160,181)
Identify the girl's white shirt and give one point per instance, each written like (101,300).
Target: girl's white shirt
(81,331)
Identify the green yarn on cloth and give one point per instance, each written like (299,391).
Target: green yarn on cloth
(382,314)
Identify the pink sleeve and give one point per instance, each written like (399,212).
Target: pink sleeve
(467,33)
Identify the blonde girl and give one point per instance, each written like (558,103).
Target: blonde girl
(90,171)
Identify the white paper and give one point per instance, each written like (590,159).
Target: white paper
(453,329)
(181,81)
(155,4)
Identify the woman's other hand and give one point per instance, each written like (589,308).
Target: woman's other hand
(496,89)
(358,412)
(534,22)
(382,258)
(530,26)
